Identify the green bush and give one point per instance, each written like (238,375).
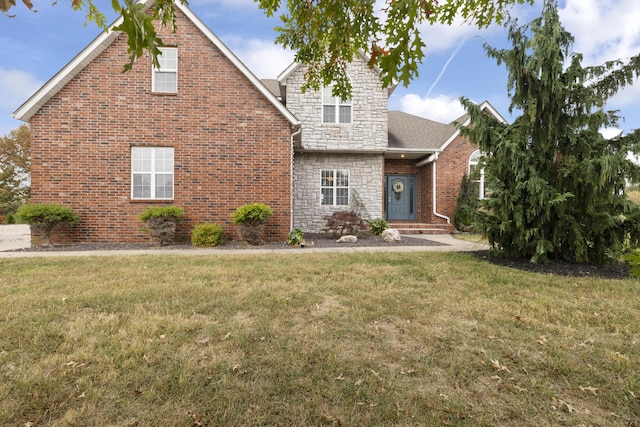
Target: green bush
(207,235)
(377,226)
(161,222)
(251,218)
(296,236)
(162,212)
(251,213)
(45,217)
(11,219)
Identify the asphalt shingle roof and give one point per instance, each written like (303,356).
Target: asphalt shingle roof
(413,132)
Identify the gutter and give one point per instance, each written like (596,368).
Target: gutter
(291,178)
(435,212)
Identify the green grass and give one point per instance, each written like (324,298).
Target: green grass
(365,339)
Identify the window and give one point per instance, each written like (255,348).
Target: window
(165,78)
(334,109)
(335,187)
(152,173)
(476,175)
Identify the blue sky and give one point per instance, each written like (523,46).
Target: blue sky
(37,45)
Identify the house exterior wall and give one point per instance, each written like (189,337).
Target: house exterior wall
(368,131)
(366,181)
(231,145)
(451,165)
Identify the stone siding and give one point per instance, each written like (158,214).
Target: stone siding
(368,131)
(366,181)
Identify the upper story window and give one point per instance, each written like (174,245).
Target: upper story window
(476,175)
(152,173)
(334,109)
(335,187)
(165,78)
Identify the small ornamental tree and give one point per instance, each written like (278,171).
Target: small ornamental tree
(343,222)
(251,218)
(45,218)
(161,222)
(557,185)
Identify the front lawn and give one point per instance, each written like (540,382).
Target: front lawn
(300,339)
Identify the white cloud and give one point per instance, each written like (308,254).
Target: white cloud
(15,87)
(609,133)
(266,59)
(443,109)
(603,29)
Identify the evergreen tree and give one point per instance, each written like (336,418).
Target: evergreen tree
(464,215)
(558,186)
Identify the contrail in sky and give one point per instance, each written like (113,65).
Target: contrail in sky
(444,68)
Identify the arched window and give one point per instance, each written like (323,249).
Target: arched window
(476,174)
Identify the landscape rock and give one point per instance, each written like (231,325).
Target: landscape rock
(347,239)
(391,235)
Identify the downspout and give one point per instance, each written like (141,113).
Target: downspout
(435,212)
(291,178)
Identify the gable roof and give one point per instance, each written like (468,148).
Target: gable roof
(100,43)
(407,131)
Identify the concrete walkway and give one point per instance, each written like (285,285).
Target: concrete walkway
(14,236)
(447,244)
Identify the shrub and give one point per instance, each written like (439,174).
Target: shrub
(207,235)
(11,219)
(377,226)
(251,218)
(343,222)
(45,217)
(296,236)
(161,222)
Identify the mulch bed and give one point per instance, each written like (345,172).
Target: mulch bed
(559,268)
(319,240)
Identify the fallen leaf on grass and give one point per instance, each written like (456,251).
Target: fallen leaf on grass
(590,389)
(203,340)
(498,366)
(226,337)
(561,405)
(542,340)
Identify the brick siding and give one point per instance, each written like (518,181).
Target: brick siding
(231,145)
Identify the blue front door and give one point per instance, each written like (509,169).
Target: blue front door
(401,194)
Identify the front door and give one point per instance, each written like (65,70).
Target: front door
(401,193)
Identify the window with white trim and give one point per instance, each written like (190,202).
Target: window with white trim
(335,187)
(165,78)
(476,175)
(334,109)
(152,173)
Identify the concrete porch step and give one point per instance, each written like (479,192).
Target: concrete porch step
(422,228)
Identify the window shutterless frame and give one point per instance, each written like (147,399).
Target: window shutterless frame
(151,173)
(165,78)
(334,187)
(334,109)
